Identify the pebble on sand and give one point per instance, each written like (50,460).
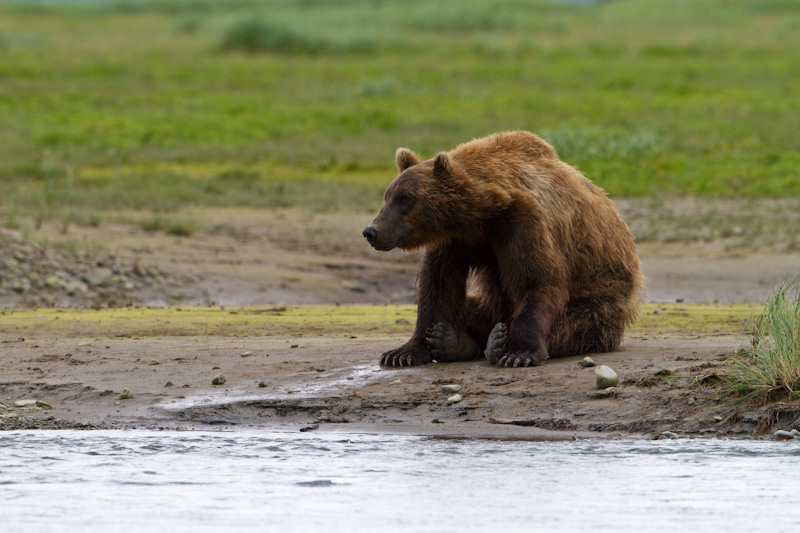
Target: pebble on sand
(661,435)
(455,398)
(587,362)
(219,379)
(605,377)
(451,388)
(125,394)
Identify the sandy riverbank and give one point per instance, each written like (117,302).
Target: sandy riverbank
(291,383)
(289,258)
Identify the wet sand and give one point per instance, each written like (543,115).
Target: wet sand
(335,384)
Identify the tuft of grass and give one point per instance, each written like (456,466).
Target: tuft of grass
(152,224)
(239,175)
(771,362)
(179,227)
(253,35)
(171,226)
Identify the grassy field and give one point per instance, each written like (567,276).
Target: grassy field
(157,105)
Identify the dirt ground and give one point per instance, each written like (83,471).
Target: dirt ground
(334,383)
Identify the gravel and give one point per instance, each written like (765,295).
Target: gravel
(34,276)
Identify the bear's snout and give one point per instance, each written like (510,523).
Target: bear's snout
(371,234)
(380,240)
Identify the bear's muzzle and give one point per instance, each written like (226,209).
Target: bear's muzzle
(378,240)
(371,234)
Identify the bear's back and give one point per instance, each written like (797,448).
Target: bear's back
(529,169)
(519,146)
(523,161)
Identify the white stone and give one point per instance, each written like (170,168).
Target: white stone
(455,398)
(605,377)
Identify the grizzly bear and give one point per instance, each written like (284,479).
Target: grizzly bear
(524,255)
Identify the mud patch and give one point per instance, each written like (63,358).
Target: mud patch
(659,378)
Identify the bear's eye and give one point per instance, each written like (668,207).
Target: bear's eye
(404,198)
(404,202)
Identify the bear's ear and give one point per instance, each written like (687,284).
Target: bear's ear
(442,165)
(405,158)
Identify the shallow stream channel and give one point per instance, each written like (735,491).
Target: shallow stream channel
(257,480)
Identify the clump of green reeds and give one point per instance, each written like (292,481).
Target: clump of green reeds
(254,35)
(770,361)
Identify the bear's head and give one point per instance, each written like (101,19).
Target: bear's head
(429,201)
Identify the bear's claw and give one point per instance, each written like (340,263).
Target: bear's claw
(523,358)
(396,360)
(516,360)
(404,356)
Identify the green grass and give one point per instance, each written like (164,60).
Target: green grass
(771,362)
(308,99)
(178,227)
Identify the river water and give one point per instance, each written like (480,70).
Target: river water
(280,481)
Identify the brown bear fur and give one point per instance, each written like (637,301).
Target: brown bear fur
(516,238)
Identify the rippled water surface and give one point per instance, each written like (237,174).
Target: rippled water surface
(271,481)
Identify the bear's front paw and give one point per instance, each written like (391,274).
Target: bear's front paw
(406,355)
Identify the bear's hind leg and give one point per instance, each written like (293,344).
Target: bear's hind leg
(591,326)
(447,344)
(462,341)
(497,344)
(496,351)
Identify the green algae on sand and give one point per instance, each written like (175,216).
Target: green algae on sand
(678,319)
(299,320)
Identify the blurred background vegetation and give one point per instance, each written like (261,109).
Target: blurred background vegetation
(160,104)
